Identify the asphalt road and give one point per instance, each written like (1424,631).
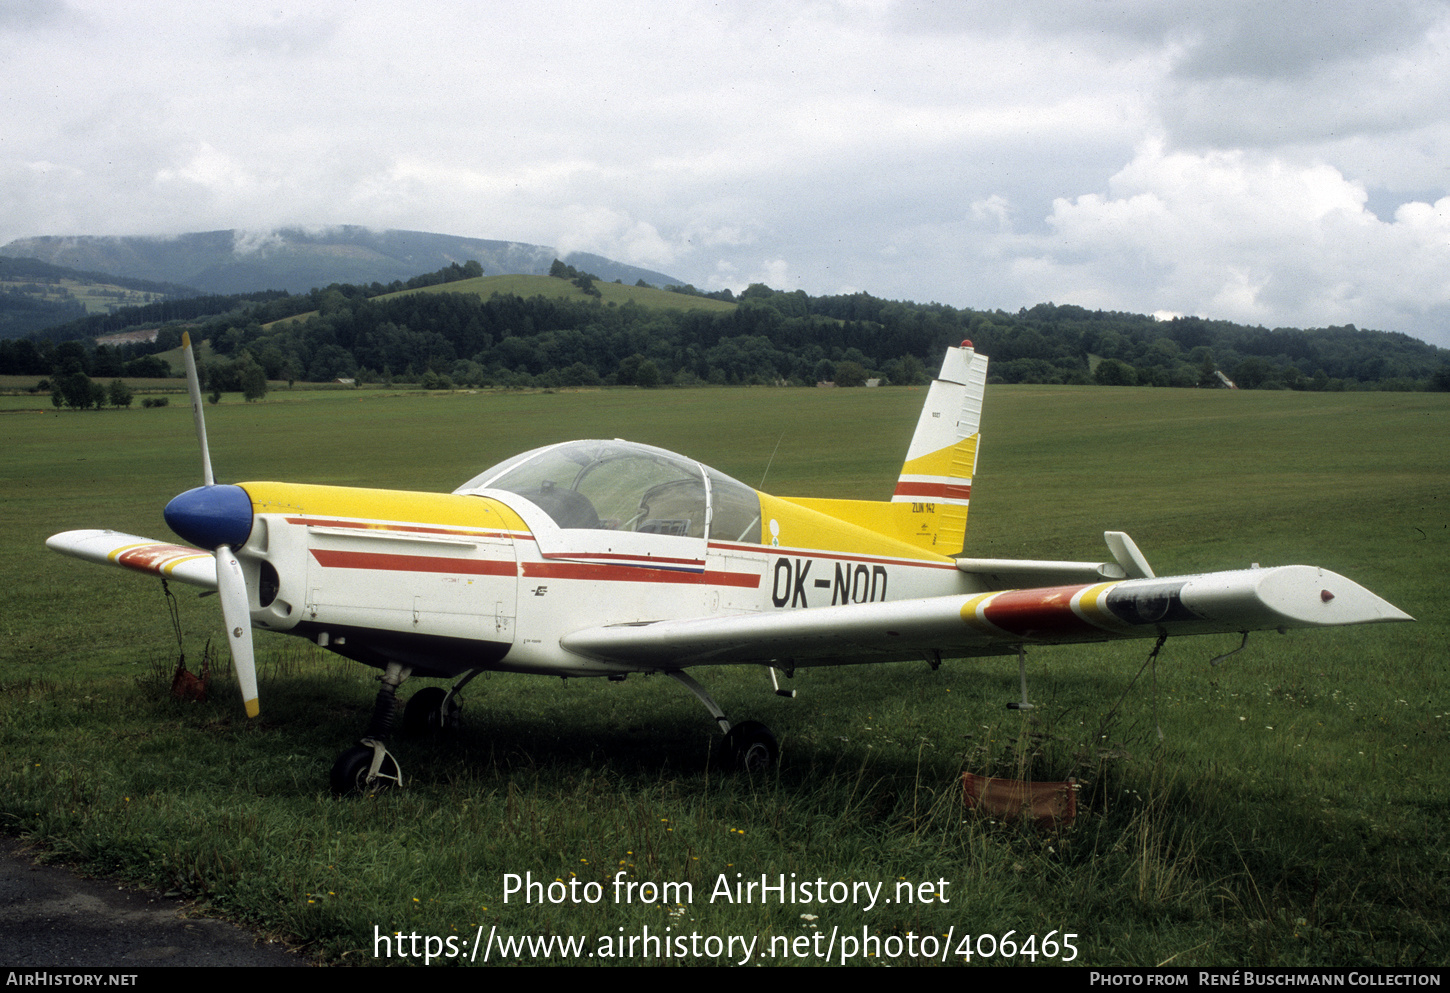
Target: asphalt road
(49,916)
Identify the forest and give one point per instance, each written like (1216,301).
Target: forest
(471,338)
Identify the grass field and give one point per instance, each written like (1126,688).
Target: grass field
(1295,811)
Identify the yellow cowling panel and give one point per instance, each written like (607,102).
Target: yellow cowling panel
(405,506)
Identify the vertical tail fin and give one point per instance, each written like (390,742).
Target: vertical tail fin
(942,458)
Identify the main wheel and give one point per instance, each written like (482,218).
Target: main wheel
(751,748)
(350,771)
(424,714)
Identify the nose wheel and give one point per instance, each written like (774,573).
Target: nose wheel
(369,765)
(366,767)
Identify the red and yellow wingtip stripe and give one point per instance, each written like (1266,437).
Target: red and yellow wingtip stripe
(138,554)
(1047,613)
(158,558)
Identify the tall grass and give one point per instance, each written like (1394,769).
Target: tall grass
(1293,813)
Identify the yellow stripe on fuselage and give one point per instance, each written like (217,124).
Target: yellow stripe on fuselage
(384,506)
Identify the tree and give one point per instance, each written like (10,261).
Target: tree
(1111,372)
(850,374)
(628,372)
(909,371)
(76,388)
(254,381)
(648,375)
(1208,373)
(120,394)
(578,374)
(1253,372)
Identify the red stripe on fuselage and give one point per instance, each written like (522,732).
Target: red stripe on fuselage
(412,563)
(817,553)
(647,561)
(541,570)
(636,574)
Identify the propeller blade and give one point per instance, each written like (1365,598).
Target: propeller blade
(236,611)
(193,385)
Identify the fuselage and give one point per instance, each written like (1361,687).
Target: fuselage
(565,538)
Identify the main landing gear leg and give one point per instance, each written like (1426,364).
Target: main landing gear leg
(369,765)
(434,710)
(1021,672)
(748,746)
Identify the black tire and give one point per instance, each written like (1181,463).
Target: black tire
(751,748)
(424,716)
(350,772)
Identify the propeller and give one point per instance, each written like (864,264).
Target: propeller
(219,516)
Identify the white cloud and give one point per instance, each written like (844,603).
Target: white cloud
(1209,157)
(1252,238)
(615,234)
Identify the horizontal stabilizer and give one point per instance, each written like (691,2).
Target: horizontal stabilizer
(1011,574)
(159,558)
(1016,574)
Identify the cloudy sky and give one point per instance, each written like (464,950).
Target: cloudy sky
(1276,163)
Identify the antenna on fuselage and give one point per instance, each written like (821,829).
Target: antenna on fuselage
(770,460)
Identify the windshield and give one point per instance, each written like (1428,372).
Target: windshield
(623,486)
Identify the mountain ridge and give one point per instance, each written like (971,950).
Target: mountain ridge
(296,259)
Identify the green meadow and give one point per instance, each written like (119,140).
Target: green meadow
(1293,810)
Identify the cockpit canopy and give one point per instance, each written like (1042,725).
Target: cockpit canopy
(624,486)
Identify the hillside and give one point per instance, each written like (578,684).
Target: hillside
(35,294)
(459,326)
(296,259)
(485,287)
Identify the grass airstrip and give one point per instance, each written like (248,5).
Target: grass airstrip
(1294,811)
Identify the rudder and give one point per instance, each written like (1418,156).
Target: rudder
(942,458)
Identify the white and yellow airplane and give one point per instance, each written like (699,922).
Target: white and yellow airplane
(603,558)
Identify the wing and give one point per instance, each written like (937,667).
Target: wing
(997,622)
(158,558)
